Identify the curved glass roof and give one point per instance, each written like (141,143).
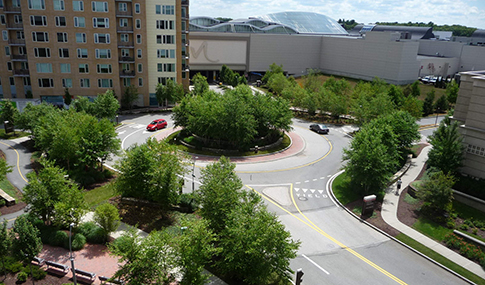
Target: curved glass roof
(306,22)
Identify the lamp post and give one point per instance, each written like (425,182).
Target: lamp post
(436,121)
(70,254)
(193,173)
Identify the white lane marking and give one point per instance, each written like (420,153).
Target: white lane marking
(304,190)
(123,141)
(120,133)
(297,182)
(329,175)
(306,181)
(137,126)
(314,263)
(315,179)
(322,178)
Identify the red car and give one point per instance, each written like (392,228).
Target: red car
(157,125)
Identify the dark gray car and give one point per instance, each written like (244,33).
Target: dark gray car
(319,128)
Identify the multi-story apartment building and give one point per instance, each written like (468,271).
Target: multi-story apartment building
(89,46)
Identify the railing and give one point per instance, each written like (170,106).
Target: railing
(15,26)
(19,57)
(21,72)
(16,42)
(125,44)
(127,73)
(124,14)
(11,9)
(127,59)
(185,2)
(124,29)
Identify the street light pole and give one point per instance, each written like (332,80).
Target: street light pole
(70,254)
(193,173)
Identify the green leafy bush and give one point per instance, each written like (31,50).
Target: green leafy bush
(92,232)
(188,202)
(15,267)
(37,272)
(59,238)
(78,242)
(468,250)
(22,277)
(2,202)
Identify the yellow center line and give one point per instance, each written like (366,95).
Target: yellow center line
(18,161)
(320,231)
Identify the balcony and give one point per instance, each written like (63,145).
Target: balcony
(18,57)
(15,26)
(126,59)
(126,44)
(127,73)
(16,42)
(124,29)
(185,2)
(125,14)
(7,9)
(21,72)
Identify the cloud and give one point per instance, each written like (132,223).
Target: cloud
(468,13)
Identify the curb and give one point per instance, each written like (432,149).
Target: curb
(337,202)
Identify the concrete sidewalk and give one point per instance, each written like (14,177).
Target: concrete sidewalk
(389,214)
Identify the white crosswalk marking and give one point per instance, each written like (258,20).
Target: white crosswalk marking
(304,190)
(320,191)
(297,189)
(312,190)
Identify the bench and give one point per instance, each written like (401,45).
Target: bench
(105,279)
(40,261)
(8,199)
(85,273)
(64,268)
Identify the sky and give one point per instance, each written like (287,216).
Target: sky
(469,13)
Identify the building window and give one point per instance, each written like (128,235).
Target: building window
(165,39)
(79,22)
(60,21)
(42,52)
(16,3)
(38,20)
(103,53)
(100,6)
(184,12)
(101,39)
(126,82)
(104,68)
(163,80)
(82,53)
(46,82)
(101,22)
(125,67)
(20,35)
(7,51)
(5,35)
(105,83)
(125,52)
(17,19)
(166,53)
(83,68)
(65,68)
(12,81)
(44,67)
(184,75)
(138,23)
(1,6)
(165,9)
(124,38)
(80,37)
(138,39)
(22,50)
(84,82)
(67,82)
(58,5)
(140,82)
(77,5)
(137,8)
(3,21)
(62,37)
(26,81)
(122,7)
(477,150)
(37,4)
(64,53)
(138,53)
(9,66)
(40,36)
(123,22)
(165,24)
(184,25)
(140,68)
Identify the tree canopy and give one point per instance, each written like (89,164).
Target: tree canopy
(448,149)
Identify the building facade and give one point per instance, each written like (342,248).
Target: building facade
(91,46)
(470,114)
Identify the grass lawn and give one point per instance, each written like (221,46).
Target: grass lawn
(6,186)
(284,144)
(441,259)
(99,195)
(10,136)
(467,212)
(431,229)
(341,190)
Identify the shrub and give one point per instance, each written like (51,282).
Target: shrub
(464,227)
(47,234)
(188,201)
(92,232)
(37,272)
(15,267)
(22,277)
(2,202)
(78,242)
(450,224)
(59,238)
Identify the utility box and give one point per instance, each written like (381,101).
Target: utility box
(9,127)
(368,205)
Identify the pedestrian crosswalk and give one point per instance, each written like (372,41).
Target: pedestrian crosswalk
(310,193)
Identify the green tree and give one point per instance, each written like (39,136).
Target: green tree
(437,194)
(4,169)
(67,97)
(225,74)
(29,95)
(256,248)
(49,187)
(413,106)
(200,84)
(371,100)
(32,115)
(219,193)
(415,90)
(169,92)
(447,152)
(27,243)
(441,104)
(5,244)
(397,96)
(370,162)
(151,171)
(277,83)
(107,217)
(129,97)
(404,127)
(9,111)
(105,106)
(147,260)
(452,92)
(273,69)
(429,103)
(196,249)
